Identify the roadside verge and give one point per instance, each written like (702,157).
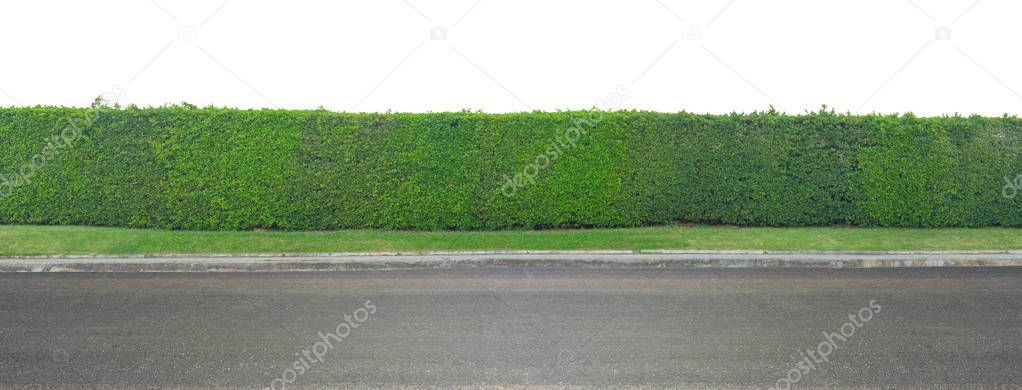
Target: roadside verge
(284,262)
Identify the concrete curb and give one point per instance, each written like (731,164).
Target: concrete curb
(501,252)
(448,260)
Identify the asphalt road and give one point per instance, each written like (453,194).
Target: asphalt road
(684,328)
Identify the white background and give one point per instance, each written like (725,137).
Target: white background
(520,55)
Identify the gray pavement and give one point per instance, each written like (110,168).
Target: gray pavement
(516,327)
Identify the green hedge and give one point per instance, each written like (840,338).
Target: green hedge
(183,167)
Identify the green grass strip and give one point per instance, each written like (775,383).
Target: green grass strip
(42,240)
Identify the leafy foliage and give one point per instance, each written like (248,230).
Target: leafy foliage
(183,167)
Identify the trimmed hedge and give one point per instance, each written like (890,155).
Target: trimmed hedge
(183,167)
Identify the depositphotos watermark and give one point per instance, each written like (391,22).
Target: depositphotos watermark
(1011,187)
(831,342)
(315,354)
(564,141)
(57,143)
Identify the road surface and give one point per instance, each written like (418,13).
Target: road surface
(524,327)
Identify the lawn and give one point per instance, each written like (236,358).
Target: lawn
(37,240)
